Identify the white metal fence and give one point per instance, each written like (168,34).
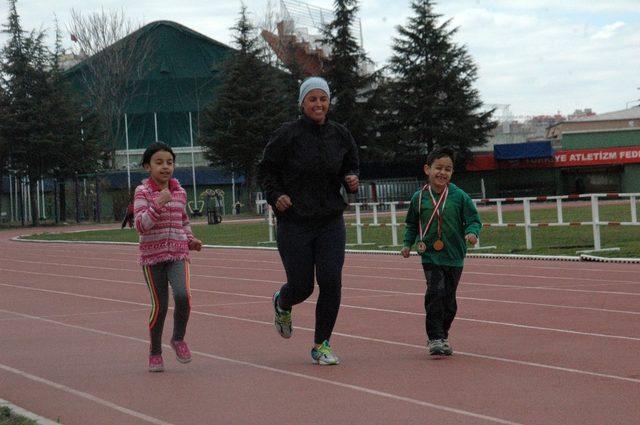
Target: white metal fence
(522,203)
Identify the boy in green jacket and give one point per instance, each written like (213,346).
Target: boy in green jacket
(441,220)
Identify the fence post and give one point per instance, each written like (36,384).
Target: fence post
(527,222)
(22,204)
(394,224)
(595,218)
(499,211)
(559,209)
(10,198)
(358,224)
(38,212)
(56,200)
(634,214)
(98,200)
(271,225)
(76,186)
(374,207)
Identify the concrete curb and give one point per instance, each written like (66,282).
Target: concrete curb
(29,415)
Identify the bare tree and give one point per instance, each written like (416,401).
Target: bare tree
(114,54)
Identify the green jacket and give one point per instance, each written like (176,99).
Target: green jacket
(460,218)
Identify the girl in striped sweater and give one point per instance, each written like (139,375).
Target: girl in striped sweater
(165,241)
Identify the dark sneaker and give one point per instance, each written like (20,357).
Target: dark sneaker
(324,355)
(446,347)
(182,351)
(436,348)
(282,318)
(155,363)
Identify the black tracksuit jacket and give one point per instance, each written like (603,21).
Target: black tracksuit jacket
(308,162)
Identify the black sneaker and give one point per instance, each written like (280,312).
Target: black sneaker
(282,318)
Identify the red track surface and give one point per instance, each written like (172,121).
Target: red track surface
(536,343)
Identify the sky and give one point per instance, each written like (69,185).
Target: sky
(539,57)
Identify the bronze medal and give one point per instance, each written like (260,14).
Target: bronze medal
(438,209)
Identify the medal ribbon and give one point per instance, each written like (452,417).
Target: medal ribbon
(436,211)
(444,195)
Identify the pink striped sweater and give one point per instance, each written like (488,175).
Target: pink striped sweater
(164,231)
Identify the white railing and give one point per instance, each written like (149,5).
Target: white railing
(527,223)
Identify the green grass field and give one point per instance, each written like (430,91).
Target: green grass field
(546,240)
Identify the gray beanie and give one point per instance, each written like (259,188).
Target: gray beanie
(312,83)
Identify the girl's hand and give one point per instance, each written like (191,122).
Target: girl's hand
(406,252)
(471,238)
(195,244)
(283,203)
(164,197)
(352,182)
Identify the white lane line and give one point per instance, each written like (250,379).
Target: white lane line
(518,325)
(87,314)
(596,281)
(491,322)
(242,363)
(471,263)
(465,283)
(364,338)
(266,300)
(81,394)
(559,306)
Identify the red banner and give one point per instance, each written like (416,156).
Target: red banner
(562,158)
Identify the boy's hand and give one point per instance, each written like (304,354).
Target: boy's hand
(195,244)
(164,197)
(283,203)
(406,252)
(471,238)
(352,182)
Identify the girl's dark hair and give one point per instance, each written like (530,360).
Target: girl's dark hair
(153,148)
(441,152)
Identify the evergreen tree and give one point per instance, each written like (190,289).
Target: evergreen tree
(37,121)
(345,71)
(431,96)
(250,104)
(24,84)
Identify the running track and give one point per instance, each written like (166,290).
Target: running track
(536,343)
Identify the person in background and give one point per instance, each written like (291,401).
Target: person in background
(128,216)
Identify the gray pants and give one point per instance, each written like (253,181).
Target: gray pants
(158,278)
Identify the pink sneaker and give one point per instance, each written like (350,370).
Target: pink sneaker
(155,363)
(182,351)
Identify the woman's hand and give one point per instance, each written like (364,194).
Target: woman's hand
(352,182)
(406,251)
(283,203)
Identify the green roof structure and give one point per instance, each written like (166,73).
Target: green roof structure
(178,75)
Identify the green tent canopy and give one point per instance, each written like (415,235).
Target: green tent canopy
(179,74)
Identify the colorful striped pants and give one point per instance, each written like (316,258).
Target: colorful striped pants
(158,278)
